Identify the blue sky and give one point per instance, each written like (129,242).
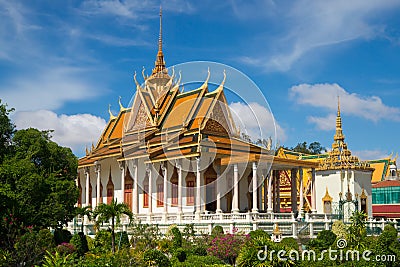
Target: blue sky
(63,62)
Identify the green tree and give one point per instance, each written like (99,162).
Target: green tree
(82,212)
(113,211)
(40,178)
(357,230)
(7,129)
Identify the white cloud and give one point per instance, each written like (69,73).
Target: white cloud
(133,9)
(324,123)
(74,131)
(47,89)
(325,96)
(308,25)
(256,121)
(370,154)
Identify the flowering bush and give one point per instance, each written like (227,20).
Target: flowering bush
(65,248)
(227,247)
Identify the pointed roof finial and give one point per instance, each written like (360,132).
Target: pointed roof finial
(160,35)
(338,106)
(160,63)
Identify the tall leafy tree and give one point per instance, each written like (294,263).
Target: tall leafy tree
(113,211)
(37,181)
(83,211)
(7,129)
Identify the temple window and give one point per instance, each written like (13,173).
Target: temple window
(174,188)
(128,189)
(110,189)
(145,195)
(190,189)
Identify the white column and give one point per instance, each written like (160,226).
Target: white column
(255,189)
(218,188)
(98,170)
(301,206)
(198,187)
(87,174)
(150,193)
(270,179)
(86,219)
(180,182)
(135,191)
(313,196)
(235,206)
(165,176)
(122,168)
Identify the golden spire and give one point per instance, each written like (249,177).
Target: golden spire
(339,137)
(340,156)
(160,63)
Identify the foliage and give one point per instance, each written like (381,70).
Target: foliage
(102,241)
(323,241)
(199,245)
(250,255)
(357,232)
(145,236)
(62,236)
(82,212)
(37,184)
(176,238)
(180,254)
(227,247)
(113,211)
(290,242)
(154,257)
(188,232)
(217,230)
(65,248)
(80,243)
(314,148)
(31,247)
(57,260)
(199,261)
(123,257)
(7,129)
(122,239)
(339,229)
(258,233)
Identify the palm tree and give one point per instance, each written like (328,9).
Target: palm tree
(105,212)
(82,211)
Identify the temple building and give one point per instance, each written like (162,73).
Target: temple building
(346,179)
(343,182)
(176,156)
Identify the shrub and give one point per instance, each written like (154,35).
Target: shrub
(258,233)
(199,261)
(155,257)
(324,240)
(227,247)
(145,236)
(180,254)
(176,238)
(57,260)
(339,229)
(188,232)
(62,236)
(80,243)
(290,243)
(65,249)
(102,241)
(122,240)
(31,247)
(217,230)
